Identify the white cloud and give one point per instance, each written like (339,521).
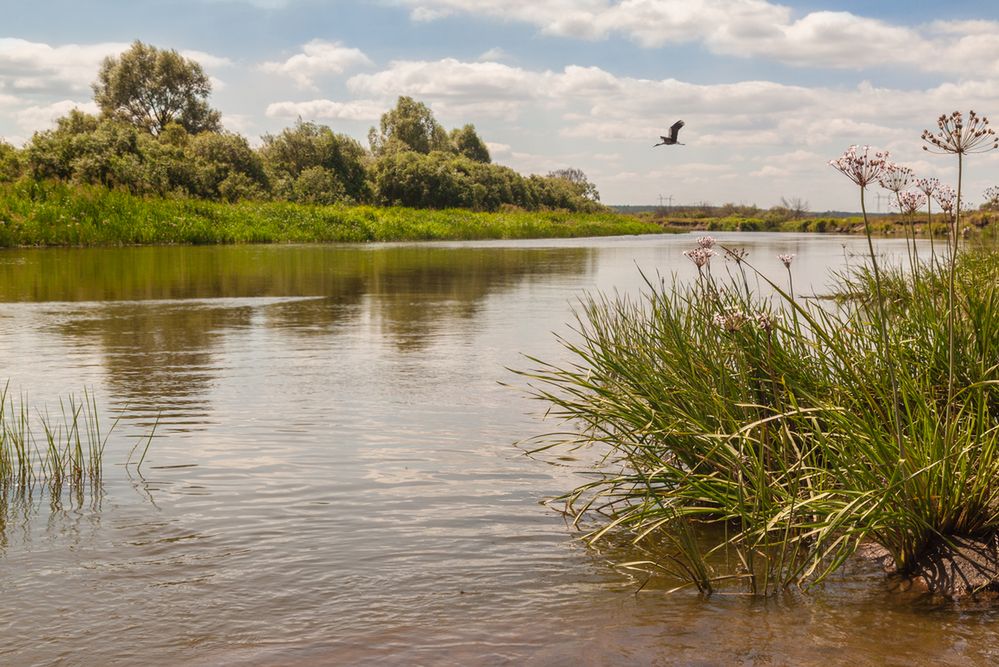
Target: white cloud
(748,28)
(326,109)
(494,54)
(318,58)
(68,69)
(34,118)
(34,66)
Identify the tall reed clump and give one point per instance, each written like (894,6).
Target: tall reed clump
(46,454)
(764,438)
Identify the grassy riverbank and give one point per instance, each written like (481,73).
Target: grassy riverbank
(59,214)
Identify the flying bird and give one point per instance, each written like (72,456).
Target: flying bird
(674,130)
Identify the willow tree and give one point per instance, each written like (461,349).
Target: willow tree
(151,88)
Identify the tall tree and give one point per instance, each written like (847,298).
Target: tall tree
(466,141)
(579,181)
(409,126)
(151,88)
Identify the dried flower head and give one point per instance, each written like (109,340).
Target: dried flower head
(737,255)
(731,320)
(699,256)
(956,136)
(945,196)
(911,201)
(705,242)
(927,185)
(786,259)
(895,177)
(861,168)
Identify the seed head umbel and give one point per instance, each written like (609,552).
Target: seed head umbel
(860,165)
(955,135)
(911,201)
(927,185)
(699,256)
(895,177)
(945,196)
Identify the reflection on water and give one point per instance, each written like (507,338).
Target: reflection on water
(333,479)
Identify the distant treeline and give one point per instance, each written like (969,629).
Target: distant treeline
(156,135)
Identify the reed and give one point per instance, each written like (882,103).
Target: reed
(51,454)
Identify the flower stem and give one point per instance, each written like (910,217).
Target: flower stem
(882,321)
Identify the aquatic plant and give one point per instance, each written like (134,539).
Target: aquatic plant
(52,454)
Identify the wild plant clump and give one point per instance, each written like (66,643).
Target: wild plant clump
(763,439)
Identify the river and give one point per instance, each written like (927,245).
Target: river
(334,477)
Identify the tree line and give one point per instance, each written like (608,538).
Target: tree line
(156,135)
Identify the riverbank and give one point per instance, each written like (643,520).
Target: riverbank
(59,214)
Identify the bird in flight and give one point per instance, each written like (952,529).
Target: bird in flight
(674,130)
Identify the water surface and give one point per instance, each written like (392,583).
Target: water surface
(350,492)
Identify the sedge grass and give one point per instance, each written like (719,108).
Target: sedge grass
(769,422)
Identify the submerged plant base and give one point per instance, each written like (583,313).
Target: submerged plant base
(960,568)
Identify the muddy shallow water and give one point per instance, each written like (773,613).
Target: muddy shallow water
(334,480)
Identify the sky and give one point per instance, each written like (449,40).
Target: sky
(769,92)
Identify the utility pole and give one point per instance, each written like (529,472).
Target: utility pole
(881,197)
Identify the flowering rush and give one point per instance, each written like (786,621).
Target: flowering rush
(911,201)
(706,242)
(959,137)
(927,185)
(786,259)
(945,196)
(700,256)
(860,166)
(895,177)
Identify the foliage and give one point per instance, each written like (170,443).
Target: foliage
(578,180)
(323,157)
(152,88)
(465,141)
(410,126)
(10,162)
(445,180)
(157,136)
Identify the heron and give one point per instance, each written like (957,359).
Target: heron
(674,130)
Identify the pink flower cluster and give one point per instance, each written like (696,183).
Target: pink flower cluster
(895,177)
(786,259)
(861,167)
(927,185)
(911,201)
(700,256)
(945,196)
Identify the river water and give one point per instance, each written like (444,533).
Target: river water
(334,477)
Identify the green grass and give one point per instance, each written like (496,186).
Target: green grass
(59,214)
(39,452)
(743,438)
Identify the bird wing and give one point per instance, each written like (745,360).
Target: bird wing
(675,129)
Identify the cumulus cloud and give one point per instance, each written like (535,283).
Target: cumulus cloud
(43,116)
(327,109)
(35,66)
(68,69)
(318,58)
(747,28)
